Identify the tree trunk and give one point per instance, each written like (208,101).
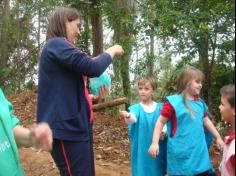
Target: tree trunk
(18,54)
(123,36)
(4,27)
(39,32)
(204,59)
(125,73)
(97,28)
(204,56)
(86,34)
(151,57)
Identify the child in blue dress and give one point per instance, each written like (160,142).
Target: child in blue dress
(186,115)
(141,119)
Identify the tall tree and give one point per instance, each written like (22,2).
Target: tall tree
(97,27)
(18,44)
(147,13)
(197,28)
(121,19)
(85,8)
(4,26)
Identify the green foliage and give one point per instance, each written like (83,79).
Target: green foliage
(223,75)
(4,72)
(25,22)
(201,29)
(188,21)
(30,84)
(188,28)
(169,77)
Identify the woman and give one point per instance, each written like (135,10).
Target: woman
(63,99)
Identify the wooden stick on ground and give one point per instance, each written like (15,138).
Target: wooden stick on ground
(116,102)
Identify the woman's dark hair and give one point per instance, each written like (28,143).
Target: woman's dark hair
(57,21)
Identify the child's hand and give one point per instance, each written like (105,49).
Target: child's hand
(124,114)
(154,150)
(220,143)
(42,136)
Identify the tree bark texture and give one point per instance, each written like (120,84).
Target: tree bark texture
(97,28)
(4,23)
(116,102)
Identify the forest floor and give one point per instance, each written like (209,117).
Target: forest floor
(111,148)
(111,143)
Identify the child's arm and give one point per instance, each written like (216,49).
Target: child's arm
(129,117)
(154,148)
(212,129)
(39,136)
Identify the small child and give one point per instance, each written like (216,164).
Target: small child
(186,115)
(227,110)
(141,119)
(13,136)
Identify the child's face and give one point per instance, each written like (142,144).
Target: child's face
(195,87)
(145,92)
(73,30)
(227,112)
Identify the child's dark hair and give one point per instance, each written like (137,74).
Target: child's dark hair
(57,21)
(228,92)
(148,79)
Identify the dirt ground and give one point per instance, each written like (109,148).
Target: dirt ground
(41,164)
(111,157)
(111,144)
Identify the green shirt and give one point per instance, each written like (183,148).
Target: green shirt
(9,157)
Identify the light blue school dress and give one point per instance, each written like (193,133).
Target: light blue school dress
(187,152)
(141,134)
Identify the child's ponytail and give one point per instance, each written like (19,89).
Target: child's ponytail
(192,112)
